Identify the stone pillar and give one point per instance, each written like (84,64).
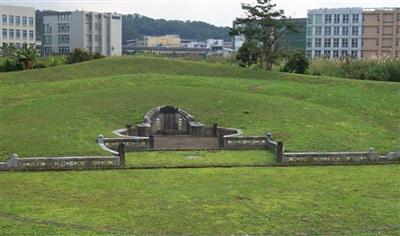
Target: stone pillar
(121,153)
(151,141)
(279,152)
(372,155)
(129,130)
(215,130)
(221,141)
(143,130)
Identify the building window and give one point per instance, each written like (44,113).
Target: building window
(345,43)
(310,19)
(63,38)
(31,34)
(378,31)
(398,17)
(397,42)
(63,49)
(327,43)
(328,19)
(318,19)
(63,27)
(118,18)
(397,30)
(4,19)
(24,20)
(354,30)
(336,19)
(317,53)
(345,18)
(335,43)
(335,53)
(11,33)
(318,30)
(47,28)
(11,19)
(4,33)
(24,34)
(63,16)
(377,42)
(17,33)
(345,30)
(17,20)
(309,31)
(47,40)
(47,50)
(378,18)
(336,30)
(30,21)
(354,54)
(356,18)
(328,30)
(18,45)
(309,43)
(327,54)
(308,53)
(345,53)
(317,43)
(354,43)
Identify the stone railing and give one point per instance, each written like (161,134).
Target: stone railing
(331,157)
(60,163)
(130,143)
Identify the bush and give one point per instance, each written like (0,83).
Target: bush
(296,62)
(384,69)
(39,65)
(10,65)
(53,60)
(79,55)
(98,55)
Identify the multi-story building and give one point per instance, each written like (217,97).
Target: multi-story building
(164,41)
(17,25)
(334,33)
(381,32)
(93,31)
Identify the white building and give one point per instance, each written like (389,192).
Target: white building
(93,31)
(334,33)
(238,41)
(17,25)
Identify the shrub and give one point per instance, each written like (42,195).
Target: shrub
(79,55)
(98,55)
(296,62)
(10,65)
(384,69)
(39,65)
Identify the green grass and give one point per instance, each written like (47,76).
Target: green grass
(61,110)
(278,201)
(140,159)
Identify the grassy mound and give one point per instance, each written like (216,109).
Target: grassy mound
(61,110)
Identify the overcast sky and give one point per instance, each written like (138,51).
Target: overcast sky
(217,12)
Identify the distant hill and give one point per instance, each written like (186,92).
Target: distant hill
(137,26)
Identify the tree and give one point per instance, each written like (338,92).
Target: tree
(248,54)
(26,55)
(264,25)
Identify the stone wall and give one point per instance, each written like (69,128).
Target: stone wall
(61,163)
(331,157)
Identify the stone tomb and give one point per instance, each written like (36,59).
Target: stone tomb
(171,128)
